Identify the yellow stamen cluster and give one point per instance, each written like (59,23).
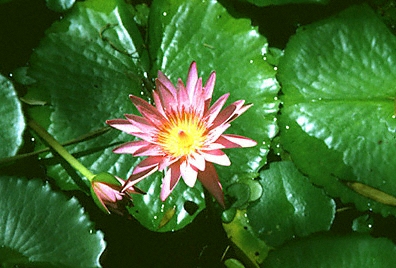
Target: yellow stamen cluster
(182,135)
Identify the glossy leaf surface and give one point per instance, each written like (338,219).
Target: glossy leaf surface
(60,5)
(91,60)
(232,48)
(12,122)
(338,120)
(284,2)
(289,206)
(334,251)
(40,226)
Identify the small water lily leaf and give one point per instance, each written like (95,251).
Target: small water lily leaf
(141,13)
(239,192)
(363,224)
(170,215)
(338,121)
(327,250)
(284,2)
(12,124)
(289,206)
(39,225)
(233,263)
(60,5)
(235,50)
(84,74)
(253,250)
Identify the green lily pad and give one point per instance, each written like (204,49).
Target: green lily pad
(251,249)
(334,251)
(235,50)
(84,75)
(289,206)
(284,2)
(40,226)
(60,5)
(338,120)
(92,59)
(363,224)
(96,38)
(12,124)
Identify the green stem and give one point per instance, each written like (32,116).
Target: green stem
(57,147)
(85,137)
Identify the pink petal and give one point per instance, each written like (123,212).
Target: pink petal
(147,163)
(197,99)
(166,83)
(212,113)
(136,177)
(141,123)
(217,157)
(130,190)
(170,180)
(129,147)
(208,88)
(123,125)
(182,96)
(168,99)
(234,141)
(188,173)
(139,148)
(157,102)
(192,79)
(228,114)
(147,110)
(240,111)
(197,160)
(166,162)
(215,133)
(128,127)
(210,181)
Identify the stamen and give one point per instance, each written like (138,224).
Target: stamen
(182,135)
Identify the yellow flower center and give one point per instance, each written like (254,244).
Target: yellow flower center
(182,135)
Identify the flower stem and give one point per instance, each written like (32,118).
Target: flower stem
(57,147)
(85,137)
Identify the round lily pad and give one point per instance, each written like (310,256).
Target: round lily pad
(40,226)
(334,251)
(284,2)
(289,206)
(339,118)
(90,61)
(235,50)
(12,124)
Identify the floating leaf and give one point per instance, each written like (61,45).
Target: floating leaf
(90,44)
(232,48)
(84,80)
(289,206)
(253,250)
(363,224)
(334,251)
(39,226)
(92,59)
(338,121)
(60,5)
(283,2)
(12,122)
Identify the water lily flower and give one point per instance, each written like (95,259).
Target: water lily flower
(107,194)
(182,134)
